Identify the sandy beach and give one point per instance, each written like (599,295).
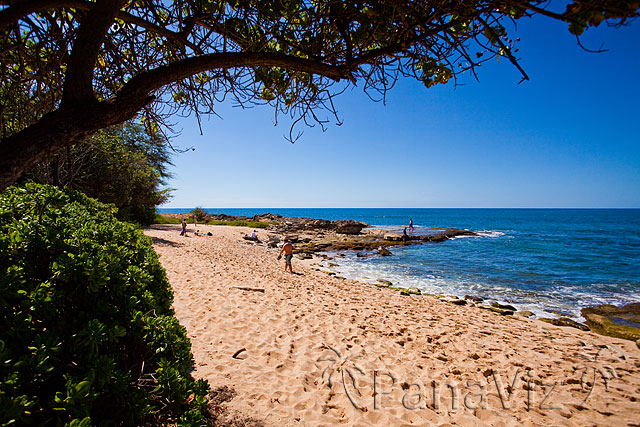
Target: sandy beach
(315,350)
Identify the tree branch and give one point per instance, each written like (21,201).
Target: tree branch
(505,49)
(143,84)
(19,10)
(78,84)
(541,11)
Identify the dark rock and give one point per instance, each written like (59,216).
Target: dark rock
(496,310)
(559,313)
(223,217)
(620,322)
(473,298)
(503,306)
(407,292)
(564,321)
(459,302)
(349,227)
(525,313)
(384,252)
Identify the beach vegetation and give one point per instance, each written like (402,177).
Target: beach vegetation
(87,332)
(239,223)
(199,213)
(68,72)
(162,219)
(122,165)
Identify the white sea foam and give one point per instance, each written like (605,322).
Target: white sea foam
(490,233)
(550,303)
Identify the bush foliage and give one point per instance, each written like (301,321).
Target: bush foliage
(161,219)
(122,165)
(87,332)
(199,213)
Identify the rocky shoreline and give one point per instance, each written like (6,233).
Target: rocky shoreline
(314,237)
(319,235)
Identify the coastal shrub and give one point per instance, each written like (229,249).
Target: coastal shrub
(161,219)
(199,213)
(87,332)
(250,224)
(122,164)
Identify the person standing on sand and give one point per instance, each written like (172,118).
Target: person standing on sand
(184,227)
(288,254)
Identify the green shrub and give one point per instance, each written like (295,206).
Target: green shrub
(199,213)
(161,219)
(250,224)
(87,332)
(122,164)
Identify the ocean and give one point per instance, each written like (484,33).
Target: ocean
(548,261)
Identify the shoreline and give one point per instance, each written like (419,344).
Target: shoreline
(323,238)
(301,328)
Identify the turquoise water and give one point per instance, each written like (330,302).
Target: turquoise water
(536,259)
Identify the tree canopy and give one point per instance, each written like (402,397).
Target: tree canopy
(71,67)
(121,165)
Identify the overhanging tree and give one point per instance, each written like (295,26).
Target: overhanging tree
(72,67)
(121,164)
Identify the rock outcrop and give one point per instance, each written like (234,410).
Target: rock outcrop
(565,321)
(620,322)
(318,235)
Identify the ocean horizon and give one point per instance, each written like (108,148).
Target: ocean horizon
(551,261)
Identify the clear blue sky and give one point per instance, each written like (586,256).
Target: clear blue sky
(569,137)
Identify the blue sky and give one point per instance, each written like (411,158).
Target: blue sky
(566,138)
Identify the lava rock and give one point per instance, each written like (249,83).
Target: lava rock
(565,321)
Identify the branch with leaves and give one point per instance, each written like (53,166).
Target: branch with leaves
(71,67)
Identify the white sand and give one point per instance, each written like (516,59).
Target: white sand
(485,369)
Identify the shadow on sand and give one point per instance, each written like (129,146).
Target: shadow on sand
(164,242)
